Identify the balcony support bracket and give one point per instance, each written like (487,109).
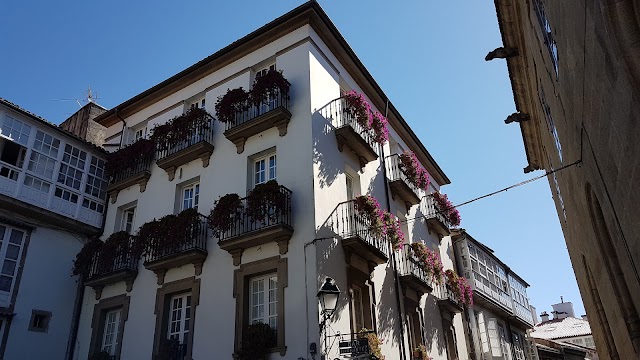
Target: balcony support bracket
(236,255)
(98,290)
(141,179)
(239,143)
(129,285)
(283,244)
(160,273)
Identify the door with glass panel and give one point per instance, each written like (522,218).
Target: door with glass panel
(179,322)
(111,331)
(263,300)
(11,246)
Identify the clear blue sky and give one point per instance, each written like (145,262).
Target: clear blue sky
(428,56)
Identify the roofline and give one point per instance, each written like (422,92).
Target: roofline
(465,235)
(302,15)
(51,125)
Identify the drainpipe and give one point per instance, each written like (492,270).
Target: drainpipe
(77,308)
(393,255)
(124,126)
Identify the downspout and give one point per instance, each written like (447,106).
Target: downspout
(393,255)
(77,309)
(124,126)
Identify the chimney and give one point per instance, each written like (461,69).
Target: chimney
(544,316)
(82,125)
(563,309)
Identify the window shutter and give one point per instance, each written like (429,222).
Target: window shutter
(494,339)
(483,333)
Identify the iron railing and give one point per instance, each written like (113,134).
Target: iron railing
(339,114)
(251,111)
(347,223)
(444,292)
(197,133)
(408,264)
(396,172)
(123,261)
(178,353)
(141,164)
(193,238)
(277,214)
(432,211)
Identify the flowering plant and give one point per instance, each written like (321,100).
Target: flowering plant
(460,287)
(234,101)
(116,247)
(84,258)
(359,108)
(266,202)
(374,343)
(420,353)
(267,86)
(170,232)
(411,168)
(225,213)
(181,128)
(429,260)
(446,208)
(379,127)
(257,339)
(369,208)
(129,157)
(392,230)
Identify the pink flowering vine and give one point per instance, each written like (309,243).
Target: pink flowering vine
(381,222)
(446,208)
(429,260)
(460,287)
(358,107)
(411,168)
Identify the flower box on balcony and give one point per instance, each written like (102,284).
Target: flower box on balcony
(174,241)
(437,215)
(130,166)
(357,236)
(263,216)
(351,133)
(108,263)
(248,113)
(184,139)
(399,182)
(447,300)
(413,273)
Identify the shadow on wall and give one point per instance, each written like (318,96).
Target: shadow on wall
(433,324)
(419,228)
(377,184)
(323,124)
(387,310)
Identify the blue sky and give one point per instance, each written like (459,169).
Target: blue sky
(428,57)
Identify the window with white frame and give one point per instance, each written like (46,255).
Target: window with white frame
(96,181)
(140,134)
(504,344)
(72,167)
(263,71)
(41,165)
(36,184)
(15,130)
(518,346)
(179,317)
(126,222)
(350,192)
(264,169)
(190,196)
(358,308)
(263,300)
(46,144)
(93,205)
(200,103)
(110,332)
(66,195)
(11,246)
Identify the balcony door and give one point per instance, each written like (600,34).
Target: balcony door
(111,332)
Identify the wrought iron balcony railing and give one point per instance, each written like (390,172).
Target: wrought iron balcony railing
(194,238)
(141,164)
(399,182)
(447,298)
(198,133)
(412,272)
(356,233)
(435,217)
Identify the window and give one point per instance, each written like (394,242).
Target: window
(15,130)
(70,176)
(264,169)
(504,344)
(11,244)
(263,71)
(179,317)
(349,181)
(36,184)
(128,215)
(190,196)
(140,134)
(551,124)
(46,144)
(66,195)
(92,205)
(110,332)
(358,308)
(263,300)
(96,182)
(41,165)
(11,154)
(259,293)
(200,104)
(39,321)
(547,34)
(74,156)
(518,346)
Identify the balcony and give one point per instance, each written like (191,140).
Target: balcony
(435,218)
(196,143)
(356,237)
(103,273)
(185,244)
(411,273)
(137,172)
(399,183)
(273,112)
(248,232)
(447,299)
(349,133)
(8,179)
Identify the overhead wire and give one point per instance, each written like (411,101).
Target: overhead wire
(498,191)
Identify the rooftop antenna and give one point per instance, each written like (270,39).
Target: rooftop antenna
(89,97)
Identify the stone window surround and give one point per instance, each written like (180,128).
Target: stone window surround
(100,311)
(163,302)
(241,279)
(47,320)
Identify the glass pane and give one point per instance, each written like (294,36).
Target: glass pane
(5,283)
(13,252)
(16,237)
(8,267)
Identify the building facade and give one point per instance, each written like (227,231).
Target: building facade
(501,315)
(574,68)
(52,198)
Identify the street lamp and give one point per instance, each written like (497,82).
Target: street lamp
(328,298)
